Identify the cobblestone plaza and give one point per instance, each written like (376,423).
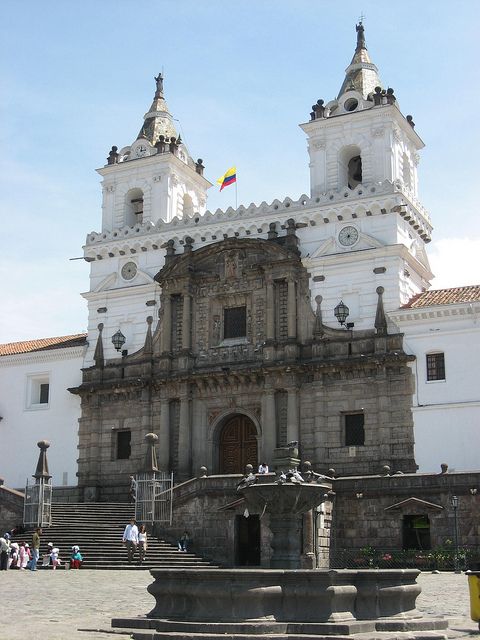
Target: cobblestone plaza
(74,605)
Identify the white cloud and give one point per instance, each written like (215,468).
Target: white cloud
(455,262)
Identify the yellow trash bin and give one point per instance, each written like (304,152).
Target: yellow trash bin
(474,587)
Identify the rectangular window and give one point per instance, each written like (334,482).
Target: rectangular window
(38,391)
(124,448)
(435,366)
(235,322)
(354,429)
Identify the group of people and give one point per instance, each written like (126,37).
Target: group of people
(19,555)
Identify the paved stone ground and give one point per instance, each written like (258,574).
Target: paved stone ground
(47,605)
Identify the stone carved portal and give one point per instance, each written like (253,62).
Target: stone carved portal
(238,445)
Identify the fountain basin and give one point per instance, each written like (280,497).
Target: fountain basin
(239,595)
(285,498)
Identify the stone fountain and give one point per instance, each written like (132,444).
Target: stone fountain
(283,599)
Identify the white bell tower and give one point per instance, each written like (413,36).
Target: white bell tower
(363,163)
(146,185)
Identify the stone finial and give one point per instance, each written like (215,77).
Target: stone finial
(444,468)
(318,326)
(148,346)
(150,464)
(2,480)
(380,318)
(98,355)
(42,464)
(113,156)
(411,122)
(203,472)
(249,468)
(188,244)
(199,166)
(170,251)
(386,470)
(332,473)
(272,231)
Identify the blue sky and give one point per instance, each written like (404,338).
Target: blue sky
(78,76)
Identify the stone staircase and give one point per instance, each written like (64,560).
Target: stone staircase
(97,528)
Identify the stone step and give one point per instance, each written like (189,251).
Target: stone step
(143,628)
(97,528)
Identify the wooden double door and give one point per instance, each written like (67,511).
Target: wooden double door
(238,445)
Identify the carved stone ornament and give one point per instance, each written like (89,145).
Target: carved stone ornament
(110,188)
(415,157)
(158,178)
(397,135)
(319,144)
(378,133)
(175,180)
(231,265)
(202,200)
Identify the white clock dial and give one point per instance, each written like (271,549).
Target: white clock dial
(129,270)
(348,236)
(141,151)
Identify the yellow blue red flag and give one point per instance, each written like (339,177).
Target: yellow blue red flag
(228,178)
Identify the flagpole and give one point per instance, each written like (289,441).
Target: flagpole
(236,203)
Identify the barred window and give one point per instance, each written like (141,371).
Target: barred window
(435,366)
(235,322)
(124,448)
(354,429)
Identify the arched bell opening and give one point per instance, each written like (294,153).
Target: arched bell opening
(133,207)
(350,167)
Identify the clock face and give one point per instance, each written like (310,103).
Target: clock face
(141,151)
(348,236)
(129,270)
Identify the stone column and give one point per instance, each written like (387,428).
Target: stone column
(184,439)
(308,556)
(291,310)
(187,323)
(164,448)
(270,320)
(293,426)
(167,323)
(269,427)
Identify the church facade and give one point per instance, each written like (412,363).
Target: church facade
(229,334)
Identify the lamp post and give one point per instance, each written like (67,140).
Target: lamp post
(457,559)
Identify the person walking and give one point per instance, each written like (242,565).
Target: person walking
(182,543)
(4,551)
(130,538)
(32,565)
(133,489)
(142,543)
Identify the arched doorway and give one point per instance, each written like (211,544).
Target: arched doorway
(238,445)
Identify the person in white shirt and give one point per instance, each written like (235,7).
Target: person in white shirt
(130,538)
(263,468)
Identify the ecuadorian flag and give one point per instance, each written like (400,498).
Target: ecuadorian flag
(228,178)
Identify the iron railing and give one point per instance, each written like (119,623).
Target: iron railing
(425,560)
(37,506)
(153,501)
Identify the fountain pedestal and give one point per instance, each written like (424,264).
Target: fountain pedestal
(285,503)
